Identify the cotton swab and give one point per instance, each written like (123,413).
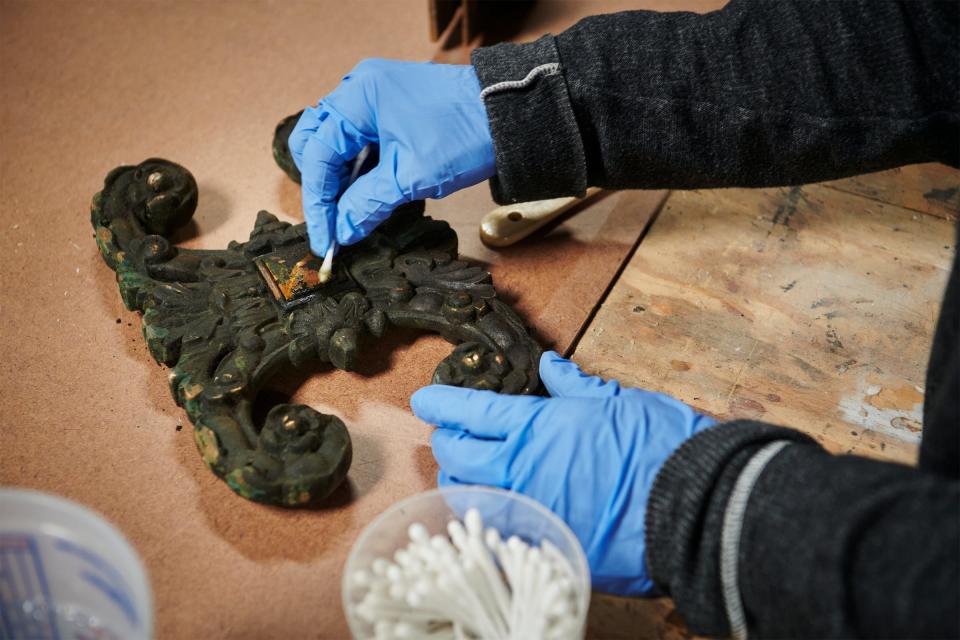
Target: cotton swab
(326,268)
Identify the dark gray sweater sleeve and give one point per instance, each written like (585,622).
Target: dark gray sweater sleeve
(760,93)
(831,546)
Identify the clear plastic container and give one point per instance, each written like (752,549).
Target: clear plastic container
(66,573)
(508,512)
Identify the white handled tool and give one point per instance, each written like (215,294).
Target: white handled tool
(507,224)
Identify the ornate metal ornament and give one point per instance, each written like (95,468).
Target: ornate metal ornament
(225,321)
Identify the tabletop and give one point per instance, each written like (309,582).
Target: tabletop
(809,306)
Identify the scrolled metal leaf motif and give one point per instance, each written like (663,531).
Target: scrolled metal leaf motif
(226,321)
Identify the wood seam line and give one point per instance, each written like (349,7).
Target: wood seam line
(615,278)
(946,216)
(736,381)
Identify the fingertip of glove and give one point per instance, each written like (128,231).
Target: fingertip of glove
(425,399)
(553,364)
(441,404)
(549,358)
(417,400)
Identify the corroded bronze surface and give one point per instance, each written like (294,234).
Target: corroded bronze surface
(225,321)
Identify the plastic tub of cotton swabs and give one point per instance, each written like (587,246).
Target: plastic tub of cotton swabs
(466,563)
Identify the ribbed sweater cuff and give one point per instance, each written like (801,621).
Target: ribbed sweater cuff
(685,516)
(539,151)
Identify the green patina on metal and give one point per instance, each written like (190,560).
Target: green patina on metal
(226,321)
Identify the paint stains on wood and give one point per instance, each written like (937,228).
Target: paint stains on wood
(949,196)
(785,212)
(903,398)
(907,424)
(840,330)
(932,189)
(741,407)
(833,341)
(886,405)
(845,366)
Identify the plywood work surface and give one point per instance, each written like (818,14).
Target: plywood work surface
(812,307)
(930,188)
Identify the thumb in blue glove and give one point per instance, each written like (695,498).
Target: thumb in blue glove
(589,453)
(433,136)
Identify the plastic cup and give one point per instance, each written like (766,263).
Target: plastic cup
(66,573)
(510,513)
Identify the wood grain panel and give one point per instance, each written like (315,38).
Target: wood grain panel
(805,306)
(809,307)
(931,188)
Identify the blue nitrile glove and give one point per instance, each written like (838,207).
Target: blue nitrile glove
(589,453)
(432,130)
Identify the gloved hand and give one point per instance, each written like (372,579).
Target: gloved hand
(589,453)
(432,130)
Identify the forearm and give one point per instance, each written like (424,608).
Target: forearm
(829,546)
(757,94)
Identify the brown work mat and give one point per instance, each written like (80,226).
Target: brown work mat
(86,412)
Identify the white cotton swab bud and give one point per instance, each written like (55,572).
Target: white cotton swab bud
(325,273)
(473,523)
(361,578)
(394,574)
(418,532)
(457,534)
(492,538)
(442,546)
(379,567)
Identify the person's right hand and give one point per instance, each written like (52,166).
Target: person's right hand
(589,453)
(433,136)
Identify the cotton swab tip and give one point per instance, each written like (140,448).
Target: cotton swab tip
(326,269)
(361,578)
(473,523)
(418,532)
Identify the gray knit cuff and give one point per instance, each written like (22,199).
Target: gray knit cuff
(536,139)
(685,513)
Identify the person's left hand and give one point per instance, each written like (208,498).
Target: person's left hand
(589,453)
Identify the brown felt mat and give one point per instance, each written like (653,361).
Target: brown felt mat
(87,413)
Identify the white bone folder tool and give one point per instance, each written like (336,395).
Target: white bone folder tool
(508,224)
